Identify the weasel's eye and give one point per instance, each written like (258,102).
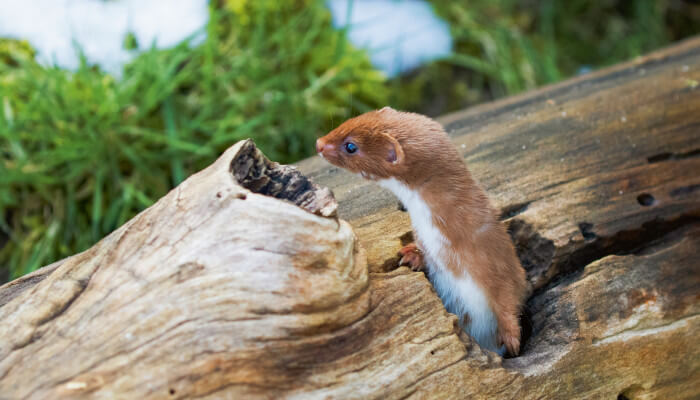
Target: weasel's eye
(350,147)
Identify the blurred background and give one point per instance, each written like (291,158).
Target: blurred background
(105,105)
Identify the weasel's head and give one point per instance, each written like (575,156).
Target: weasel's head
(366,144)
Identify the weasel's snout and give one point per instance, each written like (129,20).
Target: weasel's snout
(323,149)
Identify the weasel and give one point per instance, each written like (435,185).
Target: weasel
(460,242)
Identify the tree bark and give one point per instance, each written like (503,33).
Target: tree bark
(245,281)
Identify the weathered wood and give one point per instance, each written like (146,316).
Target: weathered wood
(217,291)
(193,295)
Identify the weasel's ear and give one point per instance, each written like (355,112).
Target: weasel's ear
(387,108)
(394,151)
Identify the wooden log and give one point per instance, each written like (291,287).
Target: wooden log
(222,291)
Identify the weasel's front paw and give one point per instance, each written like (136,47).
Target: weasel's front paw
(412,256)
(511,339)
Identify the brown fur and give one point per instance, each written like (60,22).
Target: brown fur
(426,161)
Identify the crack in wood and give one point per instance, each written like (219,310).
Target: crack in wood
(512,210)
(553,321)
(56,311)
(634,331)
(539,255)
(672,156)
(536,253)
(684,190)
(574,257)
(82,284)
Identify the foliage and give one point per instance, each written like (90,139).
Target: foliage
(507,46)
(14,51)
(82,152)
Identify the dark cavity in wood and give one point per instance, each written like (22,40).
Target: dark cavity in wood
(646,200)
(407,238)
(513,210)
(568,264)
(255,172)
(549,268)
(673,156)
(534,251)
(684,191)
(587,230)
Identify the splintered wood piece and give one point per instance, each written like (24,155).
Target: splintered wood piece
(255,172)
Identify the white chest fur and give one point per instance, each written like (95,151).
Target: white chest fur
(460,294)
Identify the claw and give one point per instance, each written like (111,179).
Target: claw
(509,335)
(412,257)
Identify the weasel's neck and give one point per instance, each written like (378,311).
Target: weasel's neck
(409,197)
(421,216)
(457,202)
(413,198)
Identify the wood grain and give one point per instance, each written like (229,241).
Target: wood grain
(218,291)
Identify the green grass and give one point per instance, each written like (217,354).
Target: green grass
(82,152)
(504,47)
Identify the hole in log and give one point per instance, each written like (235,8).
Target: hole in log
(255,172)
(172,392)
(407,238)
(646,200)
(534,251)
(390,264)
(549,322)
(587,230)
(671,156)
(513,210)
(633,392)
(657,158)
